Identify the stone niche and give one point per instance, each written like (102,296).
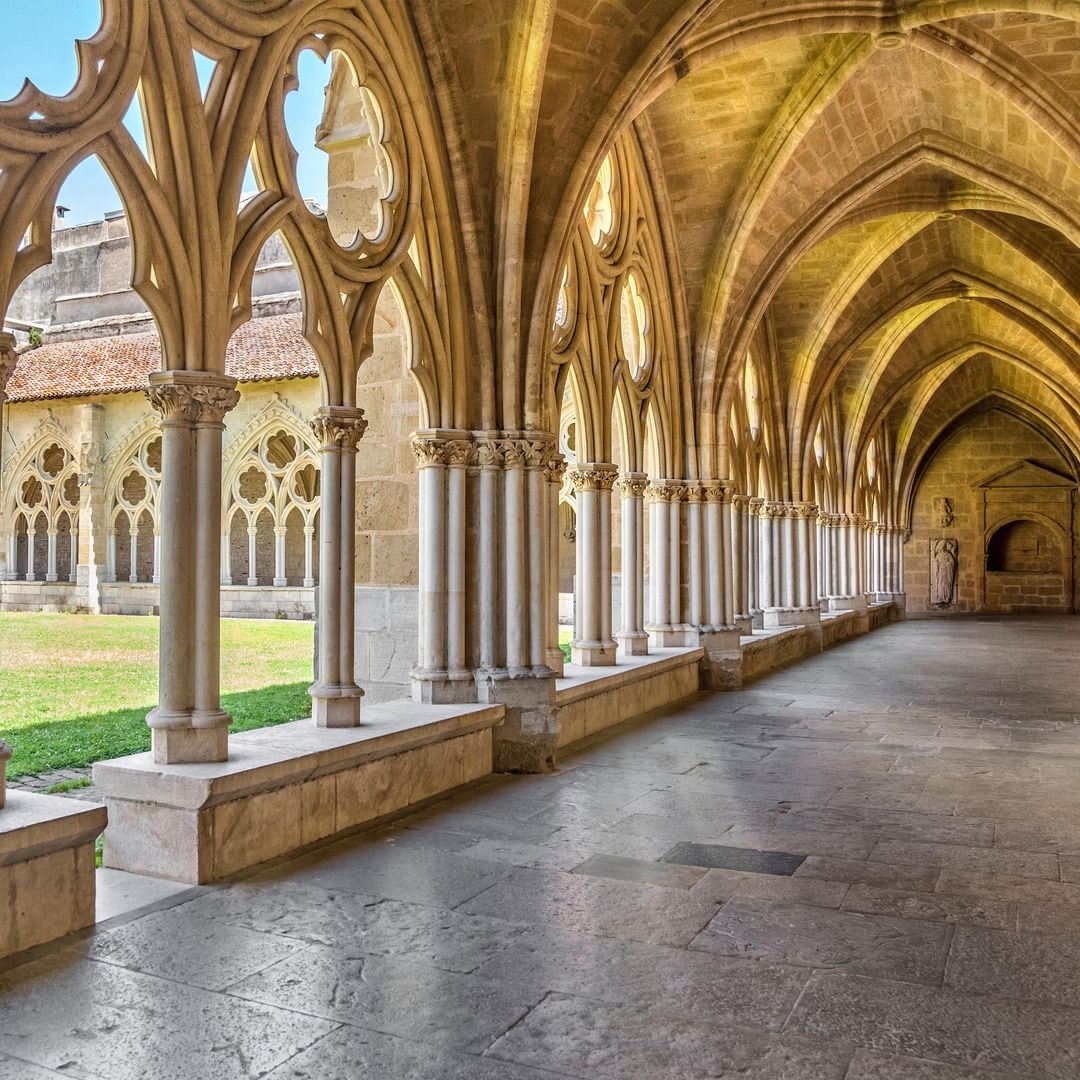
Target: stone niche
(1028,530)
(993,473)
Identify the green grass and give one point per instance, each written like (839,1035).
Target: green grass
(565,637)
(69,785)
(75,689)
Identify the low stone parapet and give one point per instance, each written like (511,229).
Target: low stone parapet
(46,868)
(287,787)
(591,699)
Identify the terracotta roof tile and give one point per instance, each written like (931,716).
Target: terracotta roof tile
(267,348)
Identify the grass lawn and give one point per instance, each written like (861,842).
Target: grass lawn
(75,689)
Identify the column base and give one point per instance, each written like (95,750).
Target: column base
(856,603)
(672,637)
(443,688)
(777,618)
(189,745)
(556,660)
(634,644)
(745,623)
(336,706)
(757,620)
(593,653)
(526,741)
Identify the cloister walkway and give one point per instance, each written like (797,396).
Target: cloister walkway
(919,790)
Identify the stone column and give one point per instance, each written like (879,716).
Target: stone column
(188,724)
(252,535)
(309,556)
(335,696)
(753,562)
(741,558)
(514,500)
(665,498)
(554,473)
(441,675)
(281,533)
(593,646)
(720,636)
(795,600)
(632,637)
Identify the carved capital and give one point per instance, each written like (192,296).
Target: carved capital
(594,477)
(632,485)
(555,470)
(717,491)
(673,491)
(741,503)
(189,397)
(338,428)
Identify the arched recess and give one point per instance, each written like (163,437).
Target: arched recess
(41,515)
(270,512)
(132,507)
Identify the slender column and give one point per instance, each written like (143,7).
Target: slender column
(698,568)
(110,555)
(765,556)
(133,556)
(156,574)
(51,572)
(633,640)
(594,646)
(516,561)
(252,534)
(753,562)
(335,696)
(31,560)
(718,584)
(226,559)
(554,473)
(73,554)
(441,675)
(280,534)
(12,557)
(490,461)
(665,498)
(188,724)
(8,357)
(788,570)
(309,556)
(740,556)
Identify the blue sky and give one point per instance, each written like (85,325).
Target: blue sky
(37,42)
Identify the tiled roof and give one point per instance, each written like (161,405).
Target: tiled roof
(266,348)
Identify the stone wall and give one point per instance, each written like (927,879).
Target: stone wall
(995,470)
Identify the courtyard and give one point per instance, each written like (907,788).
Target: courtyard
(918,917)
(75,689)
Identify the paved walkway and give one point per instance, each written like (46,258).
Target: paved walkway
(928,775)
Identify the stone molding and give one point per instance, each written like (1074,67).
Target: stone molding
(340,429)
(192,400)
(717,491)
(528,451)
(594,476)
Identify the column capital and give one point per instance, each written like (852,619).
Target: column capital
(191,397)
(338,427)
(717,491)
(632,485)
(555,470)
(515,450)
(802,510)
(596,476)
(442,448)
(667,491)
(741,502)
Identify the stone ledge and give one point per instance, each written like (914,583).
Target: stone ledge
(592,699)
(286,788)
(273,757)
(46,868)
(580,682)
(33,825)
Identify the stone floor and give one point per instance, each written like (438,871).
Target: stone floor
(530,927)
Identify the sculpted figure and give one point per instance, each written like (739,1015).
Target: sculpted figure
(943,563)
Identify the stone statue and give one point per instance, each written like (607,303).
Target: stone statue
(943,563)
(943,513)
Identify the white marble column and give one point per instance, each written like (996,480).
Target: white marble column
(309,556)
(593,645)
(632,636)
(665,498)
(795,592)
(740,559)
(335,696)
(441,674)
(281,533)
(188,724)
(252,536)
(554,474)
